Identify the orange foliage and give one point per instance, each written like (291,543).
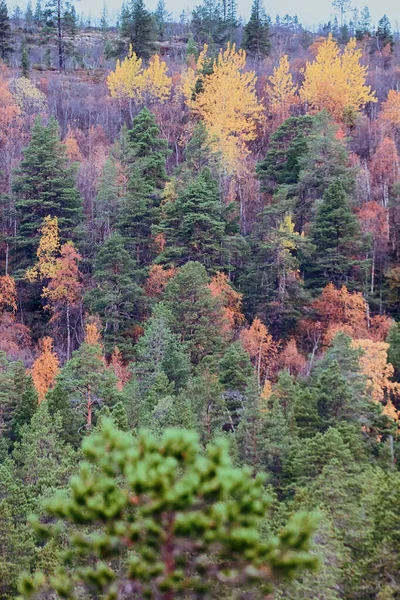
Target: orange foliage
(374,365)
(384,168)
(157,280)
(72,148)
(45,368)
(15,339)
(120,371)
(9,111)
(374,220)
(92,332)
(343,308)
(261,347)
(65,286)
(390,110)
(231,300)
(8,293)
(292,360)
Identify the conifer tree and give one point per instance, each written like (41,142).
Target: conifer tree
(384,34)
(196,316)
(256,40)
(5,31)
(160,350)
(139,28)
(208,22)
(336,236)
(145,160)
(117,297)
(193,225)
(187,504)
(45,185)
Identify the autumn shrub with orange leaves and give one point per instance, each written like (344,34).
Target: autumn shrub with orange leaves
(45,368)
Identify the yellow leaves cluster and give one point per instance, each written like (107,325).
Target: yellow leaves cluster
(47,252)
(390,112)
(190,77)
(335,81)
(45,368)
(8,293)
(229,107)
(281,91)
(258,342)
(130,80)
(28,97)
(374,365)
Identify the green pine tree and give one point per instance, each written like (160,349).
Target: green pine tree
(138,26)
(193,225)
(44,185)
(196,316)
(145,160)
(5,31)
(116,298)
(384,35)
(185,512)
(335,234)
(256,34)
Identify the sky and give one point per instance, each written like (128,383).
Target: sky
(310,12)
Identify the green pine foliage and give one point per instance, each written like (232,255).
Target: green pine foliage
(5,31)
(190,511)
(138,27)
(256,34)
(45,185)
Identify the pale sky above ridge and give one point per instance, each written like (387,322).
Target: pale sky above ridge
(310,12)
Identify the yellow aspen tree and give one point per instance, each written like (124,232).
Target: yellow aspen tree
(378,371)
(229,107)
(258,342)
(156,83)
(191,75)
(47,252)
(335,81)
(131,81)
(8,293)
(127,79)
(281,91)
(45,368)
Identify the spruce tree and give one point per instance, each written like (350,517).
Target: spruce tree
(145,161)
(139,28)
(193,225)
(208,23)
(256,35)
(335,234)
(384,34)
(116,298)
(44,185)
(160,350)
(196,316)
(5,31)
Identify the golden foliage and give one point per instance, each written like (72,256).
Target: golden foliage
(64,286)
(258,342)
(229,107)
(119,369)
(8,293)
(390,110)
(281,91)
(72,148)
(191,75)
(157,280)
(291,359)
(45,368)
(130,80)
(335,81)
(92,332)
(231,300)
(49,248)
(374,365)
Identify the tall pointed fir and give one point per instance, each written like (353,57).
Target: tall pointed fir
(45,185)
(193,225)
(137,25)
(336,237)
(5,31)
(257,39)
(117,297)
(146,155)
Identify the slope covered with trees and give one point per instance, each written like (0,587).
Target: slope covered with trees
(199,304)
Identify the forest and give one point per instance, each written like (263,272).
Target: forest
(199,304)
